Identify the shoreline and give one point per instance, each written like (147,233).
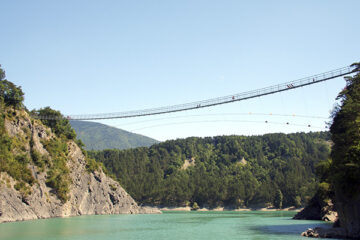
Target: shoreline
(222,209)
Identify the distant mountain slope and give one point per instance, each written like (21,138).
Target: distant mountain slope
(97,136)
(232,171)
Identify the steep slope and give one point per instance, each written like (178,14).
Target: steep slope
(40,187)
(97,136)
(341,173)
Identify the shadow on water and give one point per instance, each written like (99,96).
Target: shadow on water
(292,229)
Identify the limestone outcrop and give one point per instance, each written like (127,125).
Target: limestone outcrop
(89,192)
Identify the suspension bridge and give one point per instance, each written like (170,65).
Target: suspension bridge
(314,79)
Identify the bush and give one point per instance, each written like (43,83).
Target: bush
(58,180)
(39,160)
(59,125)
(195,206)
(92,165)
(24,189)
(58,173)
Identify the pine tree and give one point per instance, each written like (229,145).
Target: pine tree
(345,130)
(345,167)
(278,201)
(10,94)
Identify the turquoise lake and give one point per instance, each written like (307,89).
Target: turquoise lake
(169,225)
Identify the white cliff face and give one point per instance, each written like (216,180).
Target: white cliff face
(90,193)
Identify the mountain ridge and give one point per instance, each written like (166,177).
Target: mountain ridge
(98,136)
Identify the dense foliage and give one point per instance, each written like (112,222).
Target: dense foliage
(274,169)
(11,98)
(14,164)
(10,94)
(58,176)
(61,126)
(17,152)
(97,136)
(344,170)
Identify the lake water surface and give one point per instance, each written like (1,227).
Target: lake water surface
(169,225)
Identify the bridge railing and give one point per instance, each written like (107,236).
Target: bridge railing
(215,101)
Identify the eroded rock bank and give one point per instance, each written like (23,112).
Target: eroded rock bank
(318,209)
(348,208)
(90,192)
(325,233)
(345,214)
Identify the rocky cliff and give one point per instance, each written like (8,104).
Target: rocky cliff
(346,216)
(318,209)
(348,208)
(89,192)
(343,171)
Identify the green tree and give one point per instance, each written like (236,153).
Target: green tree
(10,94)
(195,206)
(278,201)
(345,154)
(2,74)
(228,170)
(59,125)
(345,130)
(297,201)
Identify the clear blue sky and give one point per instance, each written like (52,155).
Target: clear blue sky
(88,56)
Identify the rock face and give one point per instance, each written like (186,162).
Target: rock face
(317,209)
(90,192)
(346,216)
(349,212)
(325,233)
(188,163)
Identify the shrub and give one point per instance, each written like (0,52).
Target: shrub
(195,206)
(59,125)
(58,173)
(92,165)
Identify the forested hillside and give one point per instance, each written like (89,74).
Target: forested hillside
(97,136)
(343,172)
(237,171)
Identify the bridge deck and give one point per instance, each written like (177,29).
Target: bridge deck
(215,101)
